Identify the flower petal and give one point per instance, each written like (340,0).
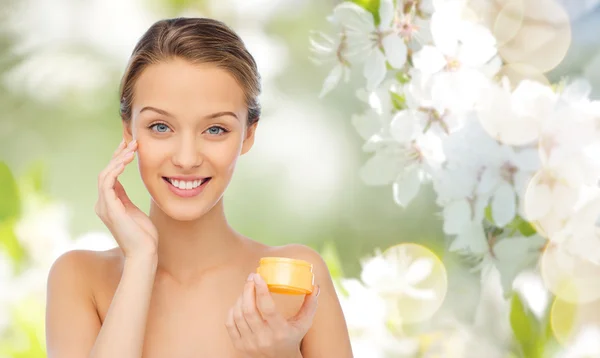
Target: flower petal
(504,205)
(419,293)
(538,200)
(403,126)
(374,70)
(332,79)
(429,60)
(406,187)
(395,50)
(418,271)
(379,170)
(456,215)
(471,239)
(386,13)
(353,17)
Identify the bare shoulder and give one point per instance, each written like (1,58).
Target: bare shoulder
(84,265)
(70,300)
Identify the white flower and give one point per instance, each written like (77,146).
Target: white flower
(398,275)
(327,50)
(580,236)
(461,60)
(515,117)
(364,39)
(422,113)
(405,164)
(510,256)
(363,308)
(505,178)
(366,314)
(550,199)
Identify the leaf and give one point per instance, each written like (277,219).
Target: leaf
(402,77)
(399,101)
(10,204)
(521,225)
(526,328)
(488,214)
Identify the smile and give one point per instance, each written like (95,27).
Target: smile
(186,188)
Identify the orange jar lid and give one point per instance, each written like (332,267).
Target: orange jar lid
(287,276)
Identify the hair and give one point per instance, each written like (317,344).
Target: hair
(198,40)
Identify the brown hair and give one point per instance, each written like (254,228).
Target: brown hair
(198,40)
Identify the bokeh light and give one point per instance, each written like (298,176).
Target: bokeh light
(569,277)
(424,272)
(543,38)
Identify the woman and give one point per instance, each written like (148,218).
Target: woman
(180,284)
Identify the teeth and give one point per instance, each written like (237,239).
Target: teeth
(185,185)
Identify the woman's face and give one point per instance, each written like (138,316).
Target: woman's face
(190,124)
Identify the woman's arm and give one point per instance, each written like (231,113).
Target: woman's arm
(328,335)
(73,328)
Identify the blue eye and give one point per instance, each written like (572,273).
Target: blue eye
(216,130)
(160,127)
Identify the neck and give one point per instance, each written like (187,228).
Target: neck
(186,249)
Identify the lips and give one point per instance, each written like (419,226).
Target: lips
(186,189)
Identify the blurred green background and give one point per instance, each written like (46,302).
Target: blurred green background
(60,65)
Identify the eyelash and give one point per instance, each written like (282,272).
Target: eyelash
(160,123)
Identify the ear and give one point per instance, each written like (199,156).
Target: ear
(127,133)
(249,139)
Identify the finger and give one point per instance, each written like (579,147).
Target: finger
(111,199)
(124,154)
(240,320)
(249,309)
(124,157)
(122,160)
(130,147)
(121,194)
(120,148)
(266,305)
(234,333)
(303,319)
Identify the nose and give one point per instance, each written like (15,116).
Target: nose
(187,155)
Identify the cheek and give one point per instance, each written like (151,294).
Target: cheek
(224,156)
(147,159)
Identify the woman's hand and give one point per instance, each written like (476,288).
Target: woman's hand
(131,228)
(259,330)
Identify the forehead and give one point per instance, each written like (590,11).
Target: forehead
(179,87)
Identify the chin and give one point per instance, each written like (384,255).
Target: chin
(185,209)
(181,213)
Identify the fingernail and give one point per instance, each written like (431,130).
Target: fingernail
(318,290)
(132,143)
(257,278)
(250,277)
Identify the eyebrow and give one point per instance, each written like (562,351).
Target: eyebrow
(210,116)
